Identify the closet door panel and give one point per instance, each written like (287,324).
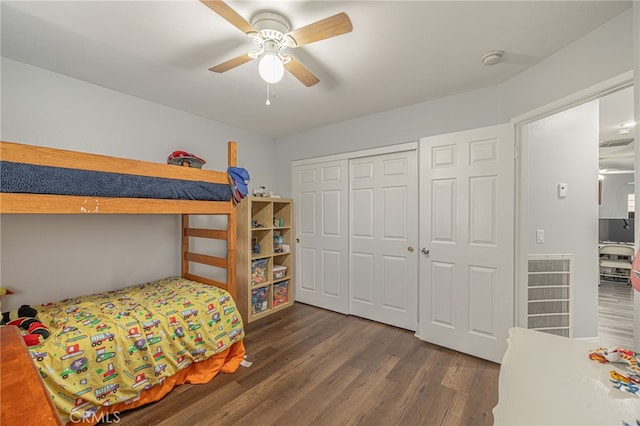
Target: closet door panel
(320,196)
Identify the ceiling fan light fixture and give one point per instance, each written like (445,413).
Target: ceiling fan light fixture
(271,68)
(271,32)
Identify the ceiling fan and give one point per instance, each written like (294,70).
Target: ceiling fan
(272,34)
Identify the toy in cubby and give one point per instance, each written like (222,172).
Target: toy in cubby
(259,300)
(280,291)
(259,271)
(279,271)
(278,241)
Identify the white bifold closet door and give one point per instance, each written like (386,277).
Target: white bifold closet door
(383,229)
(320,192)
(357,231)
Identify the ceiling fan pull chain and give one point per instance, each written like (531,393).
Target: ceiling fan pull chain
(268,101)
(270,95)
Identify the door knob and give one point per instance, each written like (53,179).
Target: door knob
(410,249)
(425,251)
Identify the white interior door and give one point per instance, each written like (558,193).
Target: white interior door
(467,226)
(383,233)
(320,193)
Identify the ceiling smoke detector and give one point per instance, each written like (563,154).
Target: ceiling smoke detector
(492,58)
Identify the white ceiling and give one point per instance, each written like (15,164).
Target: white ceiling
(398,54)
(616,148)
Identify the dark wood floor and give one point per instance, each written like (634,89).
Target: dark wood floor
(615,314)
(312,366)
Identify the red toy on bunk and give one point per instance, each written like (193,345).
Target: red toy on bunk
(184,158)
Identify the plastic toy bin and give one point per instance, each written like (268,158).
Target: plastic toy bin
(259,271)
(259,299)
(280,293)
(279,271)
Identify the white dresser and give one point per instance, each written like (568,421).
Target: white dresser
(550,380)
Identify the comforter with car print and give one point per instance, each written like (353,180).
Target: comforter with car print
(107,348)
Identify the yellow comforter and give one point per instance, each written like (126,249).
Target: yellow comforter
(106,348)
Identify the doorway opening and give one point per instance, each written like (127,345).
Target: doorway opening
(616,230)
(559,205)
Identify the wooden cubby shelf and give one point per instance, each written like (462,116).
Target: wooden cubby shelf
(264,247)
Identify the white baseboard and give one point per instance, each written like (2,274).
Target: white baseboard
(595,339)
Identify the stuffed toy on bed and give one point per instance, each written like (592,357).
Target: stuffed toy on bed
(33,331)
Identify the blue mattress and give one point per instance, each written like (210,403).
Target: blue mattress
(34,179)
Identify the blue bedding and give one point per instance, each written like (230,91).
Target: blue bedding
(34,179)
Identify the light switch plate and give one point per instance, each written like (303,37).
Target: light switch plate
(562,190)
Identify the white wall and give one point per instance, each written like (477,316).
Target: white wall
(563,148)
(49,257)
(40,107)
(459,112)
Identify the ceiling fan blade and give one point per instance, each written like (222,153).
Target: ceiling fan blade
(231,63)
(326,28)
(301,72)
(227,13)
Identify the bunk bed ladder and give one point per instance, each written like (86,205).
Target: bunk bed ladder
(228,263)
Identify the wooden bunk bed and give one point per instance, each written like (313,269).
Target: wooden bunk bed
(28,203)
(225,359)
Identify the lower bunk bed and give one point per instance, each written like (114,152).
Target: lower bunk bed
(114,351)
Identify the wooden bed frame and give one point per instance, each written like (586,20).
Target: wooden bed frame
(12,203)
